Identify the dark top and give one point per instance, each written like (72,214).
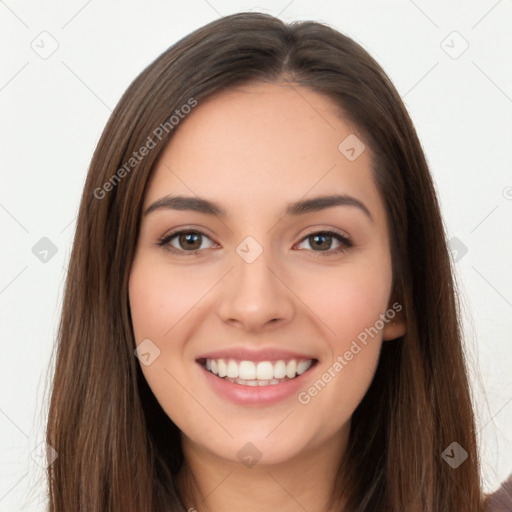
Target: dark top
(501,500)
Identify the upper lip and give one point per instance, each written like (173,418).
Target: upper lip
(245,354)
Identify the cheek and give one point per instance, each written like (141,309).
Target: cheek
(159,298)
(348,300)
(350,303)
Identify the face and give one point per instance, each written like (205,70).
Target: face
(262,312)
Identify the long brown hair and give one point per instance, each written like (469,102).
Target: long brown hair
(117,449)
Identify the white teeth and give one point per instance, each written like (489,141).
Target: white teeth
(222,368)
(264,370)
(302,366)
(261,373)
(247,370)
(272,382)
(232,370)
(279,370)
(291,368)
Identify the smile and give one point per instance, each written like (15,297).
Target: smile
(257,373)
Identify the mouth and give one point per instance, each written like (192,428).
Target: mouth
(257,373)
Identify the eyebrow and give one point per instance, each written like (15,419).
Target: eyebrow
(201,205)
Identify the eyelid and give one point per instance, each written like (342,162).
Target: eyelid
(332,231)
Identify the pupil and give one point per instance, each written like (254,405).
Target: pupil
(190,239)
(320,237)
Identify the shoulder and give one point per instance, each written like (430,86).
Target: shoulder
(501,499)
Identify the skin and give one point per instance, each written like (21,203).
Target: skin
(254,149)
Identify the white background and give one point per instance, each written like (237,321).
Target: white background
(55,108)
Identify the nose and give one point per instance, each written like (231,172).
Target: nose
(255,296)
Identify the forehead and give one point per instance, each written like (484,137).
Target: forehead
(260,144)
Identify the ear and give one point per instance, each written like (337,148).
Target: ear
(396,325)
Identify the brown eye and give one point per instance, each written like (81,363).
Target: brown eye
(189,241)
(184,242)
(322,242)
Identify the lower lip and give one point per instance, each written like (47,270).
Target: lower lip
(256,395)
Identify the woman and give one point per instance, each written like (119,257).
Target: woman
(210,356)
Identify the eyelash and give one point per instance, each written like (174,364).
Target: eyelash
(345,242)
